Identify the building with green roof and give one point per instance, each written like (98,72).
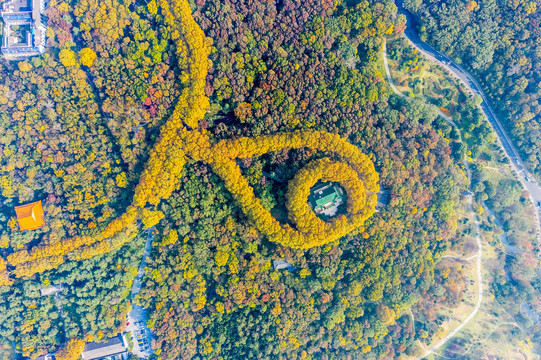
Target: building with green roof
(326,197)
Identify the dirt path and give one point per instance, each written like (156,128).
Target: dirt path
(479,255)
(479,258)
(460,258)
(486,337)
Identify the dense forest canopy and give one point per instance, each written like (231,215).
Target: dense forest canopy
(78,125)
(499,41)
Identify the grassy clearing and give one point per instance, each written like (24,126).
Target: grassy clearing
(415,76)
(491,331)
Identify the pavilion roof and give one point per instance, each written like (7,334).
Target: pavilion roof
(30,216)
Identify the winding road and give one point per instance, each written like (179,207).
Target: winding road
(526,179)
(479,255)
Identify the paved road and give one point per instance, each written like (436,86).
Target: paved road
(136,287)
(478,256)
(524,176)
(137,317)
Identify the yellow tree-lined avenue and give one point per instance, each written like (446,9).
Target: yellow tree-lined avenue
(180,139)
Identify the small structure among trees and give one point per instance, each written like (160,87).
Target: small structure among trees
(30,216)
(326,197)
(281,264)
(52,290)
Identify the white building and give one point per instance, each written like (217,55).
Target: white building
(24,28)
(114,349)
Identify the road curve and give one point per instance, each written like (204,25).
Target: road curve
(525,178)
(479,255)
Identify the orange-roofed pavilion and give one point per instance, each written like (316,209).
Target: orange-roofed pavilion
(30,216)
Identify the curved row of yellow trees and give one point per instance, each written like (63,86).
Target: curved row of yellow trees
(163,170)
(355,171)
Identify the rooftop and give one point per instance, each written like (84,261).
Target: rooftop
(51,290)
(46,357)
(24,31)
(14,6)
(325,198)
(30,216)
(111,349)
(282,264)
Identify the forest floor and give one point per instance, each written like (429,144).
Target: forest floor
(492,331)
(423,78)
